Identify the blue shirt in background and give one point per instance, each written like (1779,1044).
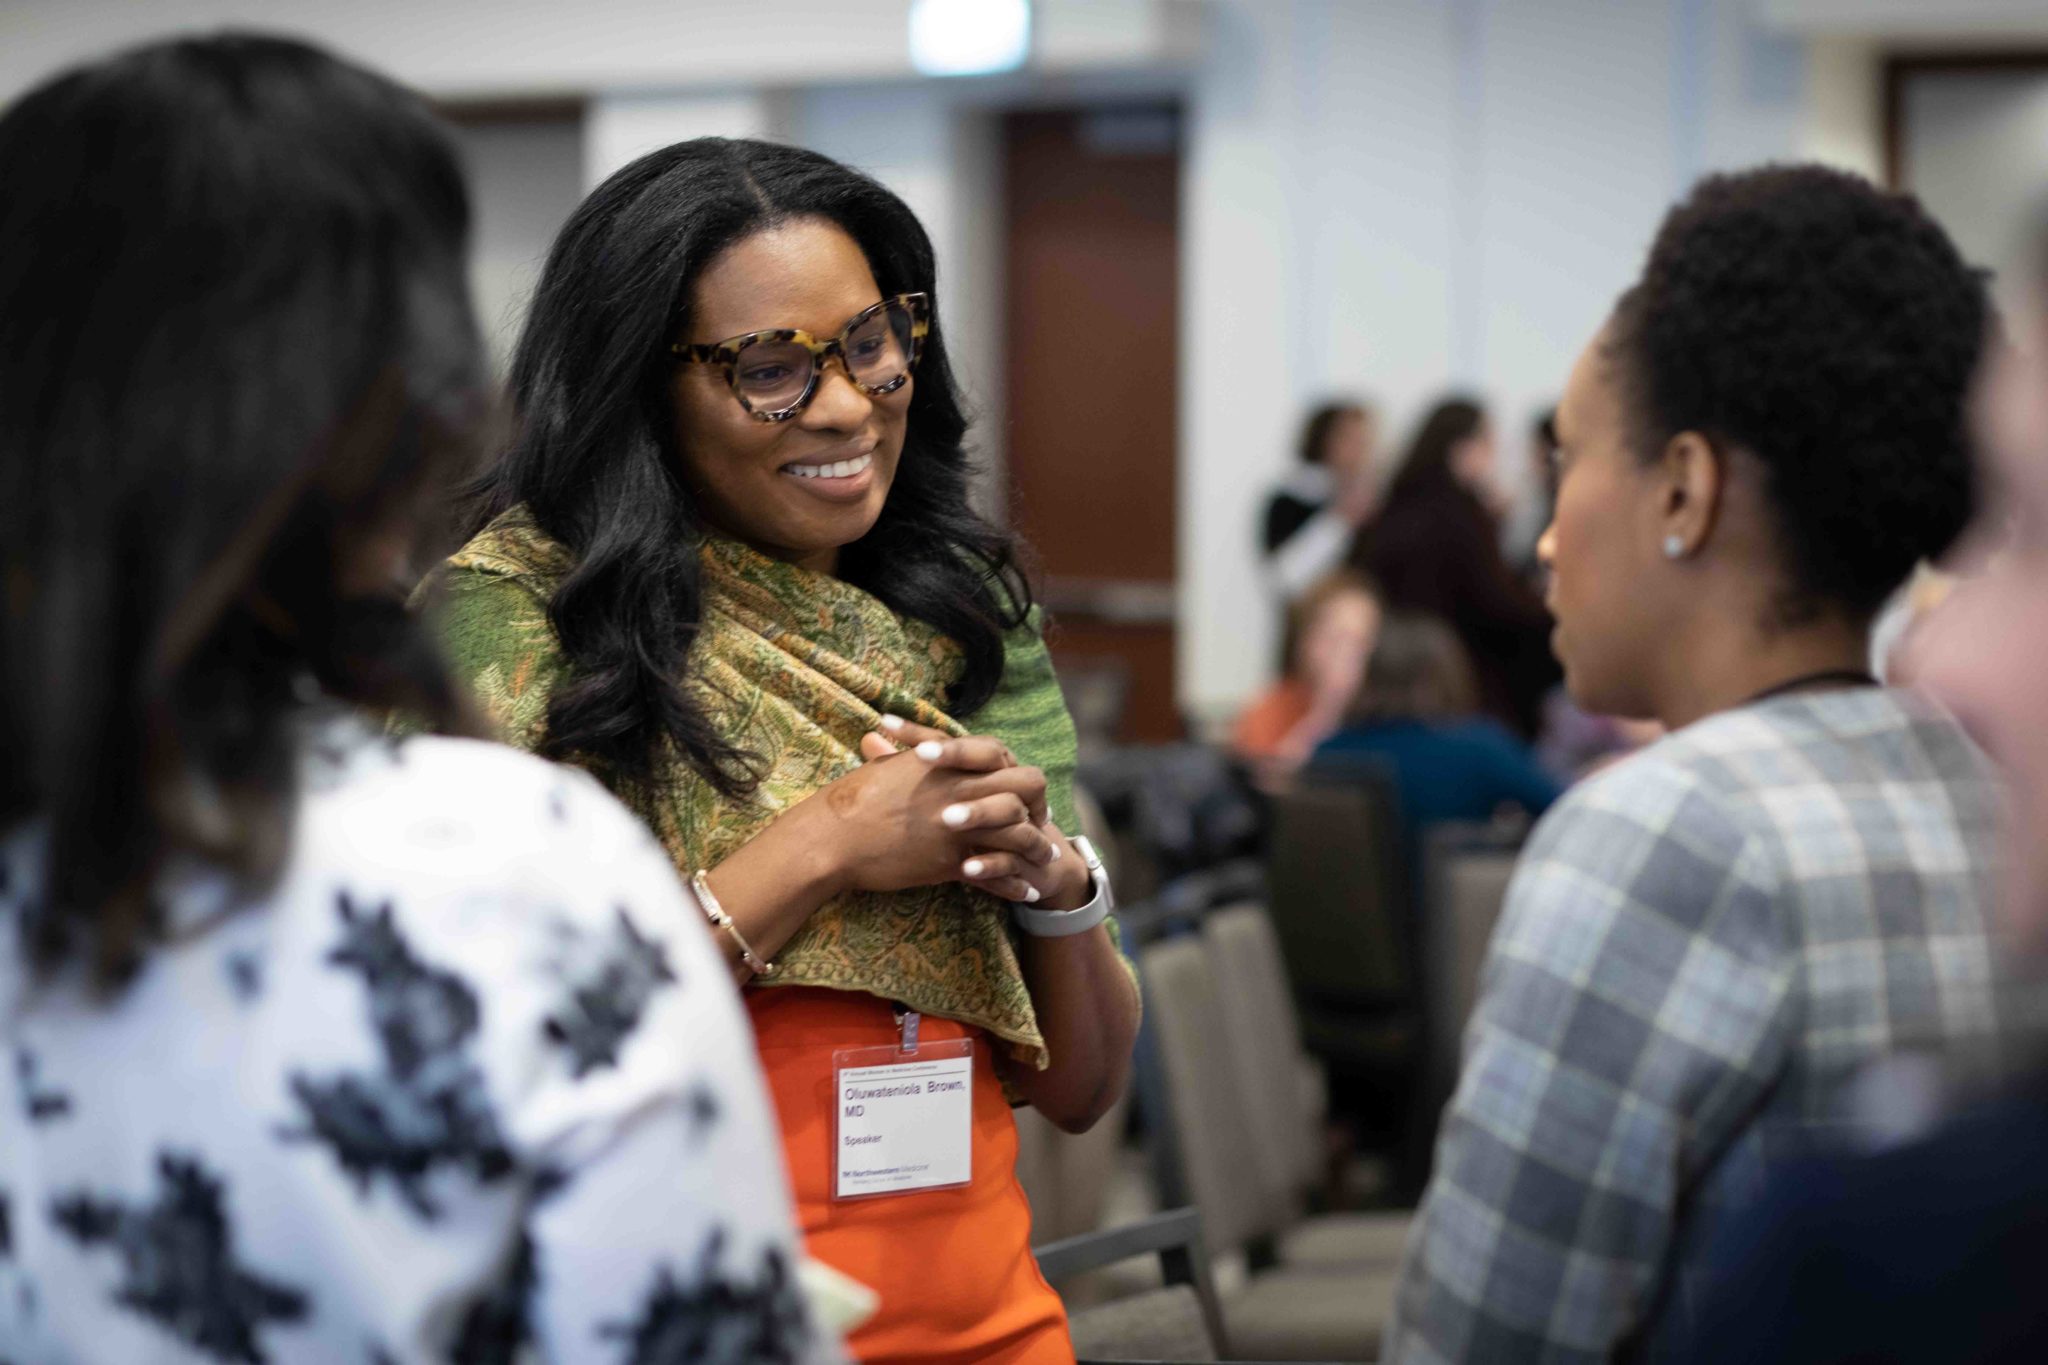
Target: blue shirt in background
(1462,770)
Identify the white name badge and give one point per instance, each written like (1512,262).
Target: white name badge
(903,1118)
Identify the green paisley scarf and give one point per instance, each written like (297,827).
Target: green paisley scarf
(795,667)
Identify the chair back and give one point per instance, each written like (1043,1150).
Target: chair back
(1207,1139)
(1468,873)
(1469,870)
(1338,891)
(1266,1053)
(1475,889)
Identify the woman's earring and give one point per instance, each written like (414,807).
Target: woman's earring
(1674,547)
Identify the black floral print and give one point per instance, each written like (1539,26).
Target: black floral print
(716,1315)
(701,1104)
(430,1107)
(498,1325)
(41,1103)
(245,975)
(178,1262)
(609,987)
(467,1082)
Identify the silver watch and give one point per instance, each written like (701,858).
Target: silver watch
(1061,923)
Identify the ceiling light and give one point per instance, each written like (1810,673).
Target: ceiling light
(969,37)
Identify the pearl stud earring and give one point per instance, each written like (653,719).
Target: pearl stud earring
(1674,547)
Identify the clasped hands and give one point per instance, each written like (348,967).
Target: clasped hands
(955,808)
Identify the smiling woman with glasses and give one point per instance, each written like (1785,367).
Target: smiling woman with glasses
(729,566)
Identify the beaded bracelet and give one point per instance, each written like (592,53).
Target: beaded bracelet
(715,912)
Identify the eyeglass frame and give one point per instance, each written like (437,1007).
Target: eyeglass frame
(727,353)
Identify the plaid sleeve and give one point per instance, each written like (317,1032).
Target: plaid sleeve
(1632,1011)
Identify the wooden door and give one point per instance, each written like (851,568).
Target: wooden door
(1092,204)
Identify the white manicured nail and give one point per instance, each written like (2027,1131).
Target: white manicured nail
(955,816)
(1055,854)
(974,867)
(1030,894)
(892,722)
(930,750)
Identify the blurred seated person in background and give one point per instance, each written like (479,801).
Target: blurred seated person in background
(328,1048)
(1532,514)
(1435,548)
(730,548)
(1417,716)
(1704,945)
(1328,637)
(1313,515)
(1933,1249)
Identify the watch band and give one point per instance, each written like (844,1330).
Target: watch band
(1062,923)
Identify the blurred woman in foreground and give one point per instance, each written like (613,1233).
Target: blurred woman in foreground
(328,1048)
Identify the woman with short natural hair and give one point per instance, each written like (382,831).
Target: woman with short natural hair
(1704,944)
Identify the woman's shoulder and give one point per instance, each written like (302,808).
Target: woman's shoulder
(507,914)
(1750,772)
(445,813)
(489,604)
(1771,755)
(1663,794)
(512,545)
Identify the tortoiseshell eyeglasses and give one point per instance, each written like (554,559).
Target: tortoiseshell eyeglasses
(774,374)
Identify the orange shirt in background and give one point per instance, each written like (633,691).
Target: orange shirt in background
(1269,719)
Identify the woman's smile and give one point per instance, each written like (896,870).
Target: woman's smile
(842,480)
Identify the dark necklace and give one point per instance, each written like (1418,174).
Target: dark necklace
(1840,677)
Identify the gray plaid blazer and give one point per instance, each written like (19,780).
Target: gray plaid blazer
(1700,949)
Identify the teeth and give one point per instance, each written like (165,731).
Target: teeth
(843,469)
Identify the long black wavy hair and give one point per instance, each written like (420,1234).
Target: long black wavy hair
(236,348)
(596,463)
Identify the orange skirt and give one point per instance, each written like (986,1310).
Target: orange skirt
(953,1267)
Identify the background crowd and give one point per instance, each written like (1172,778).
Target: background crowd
(647,858)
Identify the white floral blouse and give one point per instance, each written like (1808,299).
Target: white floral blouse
(469,1084)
